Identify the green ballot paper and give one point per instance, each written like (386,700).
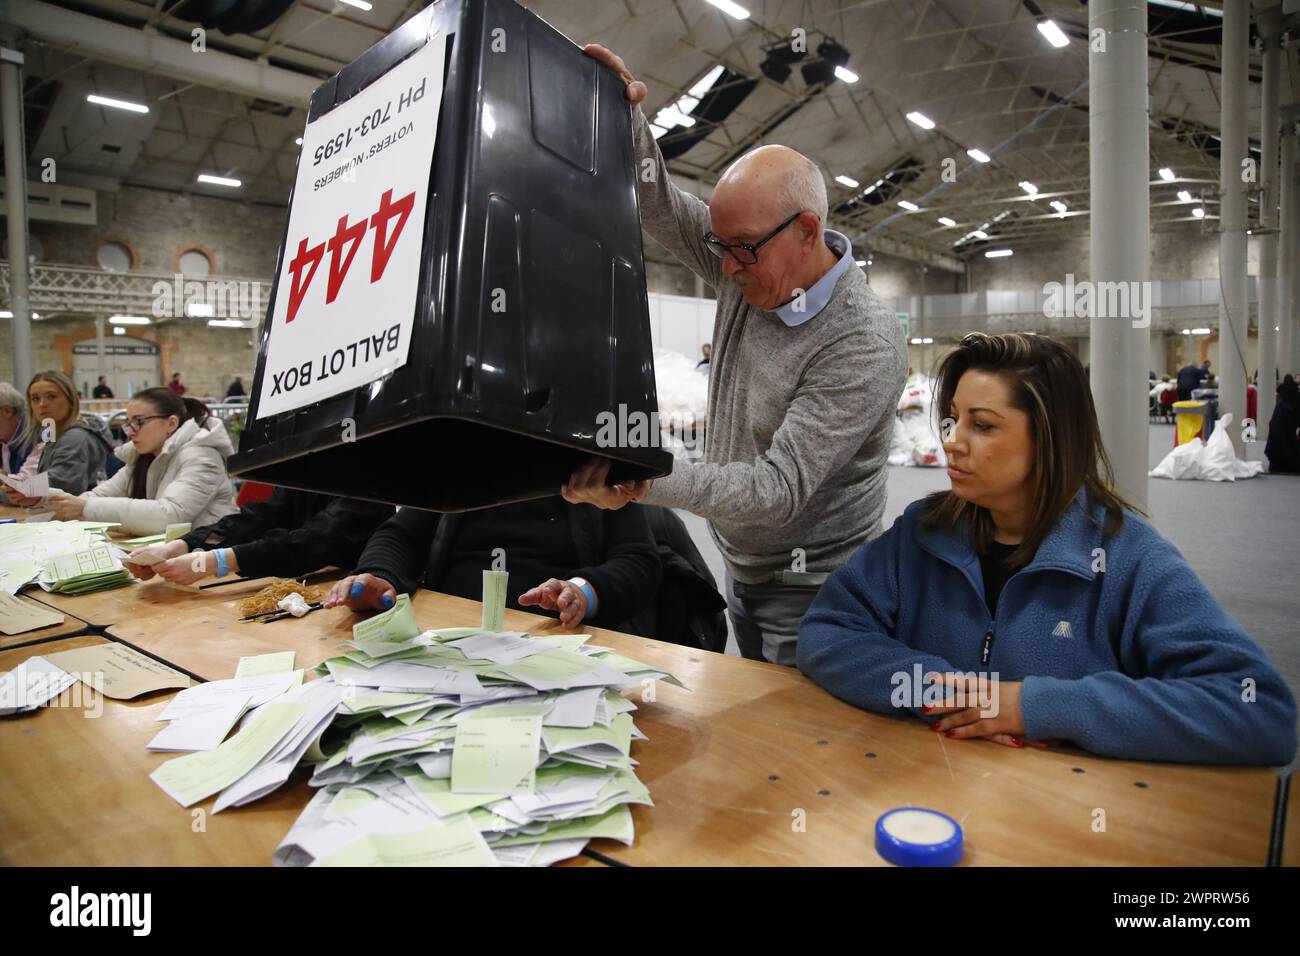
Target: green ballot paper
(64,567)
(80,572)
(554,666)
(265,664)
(456,844)
(565,642)
(437,794)
(615,824)
(140,542)
(393,626)
(494,599)
(496,754)
(192,778)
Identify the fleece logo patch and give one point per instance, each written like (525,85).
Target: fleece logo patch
(1063,629)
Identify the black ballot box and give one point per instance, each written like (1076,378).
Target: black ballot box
(459,302)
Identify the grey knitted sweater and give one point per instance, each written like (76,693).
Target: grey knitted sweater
(800,417)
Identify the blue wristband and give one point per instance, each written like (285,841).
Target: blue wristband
(222,567)
(589,593)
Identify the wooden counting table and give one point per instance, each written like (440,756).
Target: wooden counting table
(69,627)
(751,764)
(77,790)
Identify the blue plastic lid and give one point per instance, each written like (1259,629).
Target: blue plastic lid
(914,836)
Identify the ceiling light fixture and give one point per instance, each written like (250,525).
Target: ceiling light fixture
(1052,32)
(731,9)
(117,104)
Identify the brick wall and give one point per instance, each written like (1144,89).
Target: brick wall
(240,238)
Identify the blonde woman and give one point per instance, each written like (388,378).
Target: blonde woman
(76,446)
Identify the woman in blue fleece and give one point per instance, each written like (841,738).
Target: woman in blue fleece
(1033,573)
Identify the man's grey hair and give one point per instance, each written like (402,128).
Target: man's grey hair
(10,397)
(804,190)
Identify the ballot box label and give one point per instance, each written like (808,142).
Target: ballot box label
(346,294)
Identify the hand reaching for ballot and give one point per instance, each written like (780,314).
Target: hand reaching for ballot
(361,592)
(143,562)
(187,568)
(556,595)
(66,507)
(636,90)
(587,486)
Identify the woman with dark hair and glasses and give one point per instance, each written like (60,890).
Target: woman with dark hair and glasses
(174,469)
(1029,603)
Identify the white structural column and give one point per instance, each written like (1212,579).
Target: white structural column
(11,121)
(1270,302)
(1120,238)
(1289,257)
(1233,183)
(101,366)
(1287,244)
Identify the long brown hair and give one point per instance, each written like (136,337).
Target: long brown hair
(1049,385)
(63,382)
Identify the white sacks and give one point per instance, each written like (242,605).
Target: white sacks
(683,391)
(1212,460)
(915,440)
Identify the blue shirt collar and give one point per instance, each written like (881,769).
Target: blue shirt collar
(816,298)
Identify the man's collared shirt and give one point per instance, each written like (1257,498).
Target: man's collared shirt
(815,299)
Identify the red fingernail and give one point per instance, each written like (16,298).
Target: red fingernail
(935,726)
(925,710)
(1017,741)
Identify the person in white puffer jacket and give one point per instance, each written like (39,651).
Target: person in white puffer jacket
(174,469)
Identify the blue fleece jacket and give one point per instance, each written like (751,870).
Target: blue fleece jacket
(1135,661)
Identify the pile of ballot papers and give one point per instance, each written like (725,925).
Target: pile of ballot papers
(81,572)
(71,557)
(453,746)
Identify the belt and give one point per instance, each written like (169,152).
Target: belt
(798,579)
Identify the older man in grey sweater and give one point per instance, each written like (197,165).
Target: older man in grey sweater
(805,375)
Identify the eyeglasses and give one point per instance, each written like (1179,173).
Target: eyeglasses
(135,424)
(743,252)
